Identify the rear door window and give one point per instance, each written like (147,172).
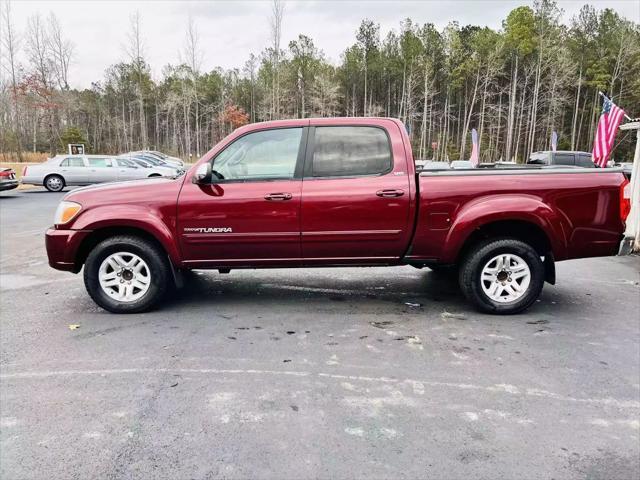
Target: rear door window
(99,162)
(564,159)
(584,160)
(72,162)
(350,151)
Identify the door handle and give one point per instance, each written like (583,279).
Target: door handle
(390,193)
(278,196)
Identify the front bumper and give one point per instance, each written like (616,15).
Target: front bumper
(62,248)
(8,185)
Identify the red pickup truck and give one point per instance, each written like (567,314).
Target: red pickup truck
(336,192)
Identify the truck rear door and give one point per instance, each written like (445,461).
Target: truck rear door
(355,194)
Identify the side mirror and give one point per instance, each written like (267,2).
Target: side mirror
(203,174)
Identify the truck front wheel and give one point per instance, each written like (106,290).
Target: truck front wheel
(502,276)
(126,274)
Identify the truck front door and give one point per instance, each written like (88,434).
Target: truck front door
(356,197)
(250,214)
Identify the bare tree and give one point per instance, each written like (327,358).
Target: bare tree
(136,54)
(250,67)
(193,58)
(61,50)
(10,45)
(38,50)
(41,59)
(277,12)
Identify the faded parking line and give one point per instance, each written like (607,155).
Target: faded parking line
(418,385)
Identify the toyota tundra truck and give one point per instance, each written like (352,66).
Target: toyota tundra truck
(336,192)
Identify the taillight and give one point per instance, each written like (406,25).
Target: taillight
(625,199)
(24,171)
(5,173)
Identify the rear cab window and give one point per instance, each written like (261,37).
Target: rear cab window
(348,151)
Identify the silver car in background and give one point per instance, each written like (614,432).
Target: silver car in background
(138,162)
(150,160)
(159,158)
(67,170)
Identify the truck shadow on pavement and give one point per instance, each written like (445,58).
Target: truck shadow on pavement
(415,292)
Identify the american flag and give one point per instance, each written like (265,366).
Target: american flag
(474,148)
(606,133)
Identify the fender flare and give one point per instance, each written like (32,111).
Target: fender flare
(131,216)
(497,208)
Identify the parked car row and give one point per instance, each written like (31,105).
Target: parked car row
(562,157)
(67,170)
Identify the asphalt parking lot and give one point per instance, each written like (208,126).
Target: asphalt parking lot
(323,373)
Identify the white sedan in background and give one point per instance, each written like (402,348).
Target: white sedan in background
(67,170)
(164,171)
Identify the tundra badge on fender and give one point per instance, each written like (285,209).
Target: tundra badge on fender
(208,230)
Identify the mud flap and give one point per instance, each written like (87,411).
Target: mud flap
(549,269)
(178,276)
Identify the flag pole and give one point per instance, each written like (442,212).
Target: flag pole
(625,115)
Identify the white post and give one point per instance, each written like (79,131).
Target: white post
(632,232)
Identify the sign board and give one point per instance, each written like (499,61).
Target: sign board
(76,148)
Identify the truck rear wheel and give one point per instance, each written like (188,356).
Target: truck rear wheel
(126,274)
(502,276)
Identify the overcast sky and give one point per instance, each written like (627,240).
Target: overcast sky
(231,30)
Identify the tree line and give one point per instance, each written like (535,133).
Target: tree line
(515,85)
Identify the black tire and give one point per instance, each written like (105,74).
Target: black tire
(471,269)
(154,257)
(54,183)
(154,175)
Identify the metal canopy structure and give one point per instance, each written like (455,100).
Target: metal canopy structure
(632,232)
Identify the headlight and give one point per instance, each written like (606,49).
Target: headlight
(66,212)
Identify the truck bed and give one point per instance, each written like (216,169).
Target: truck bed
(579,206)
